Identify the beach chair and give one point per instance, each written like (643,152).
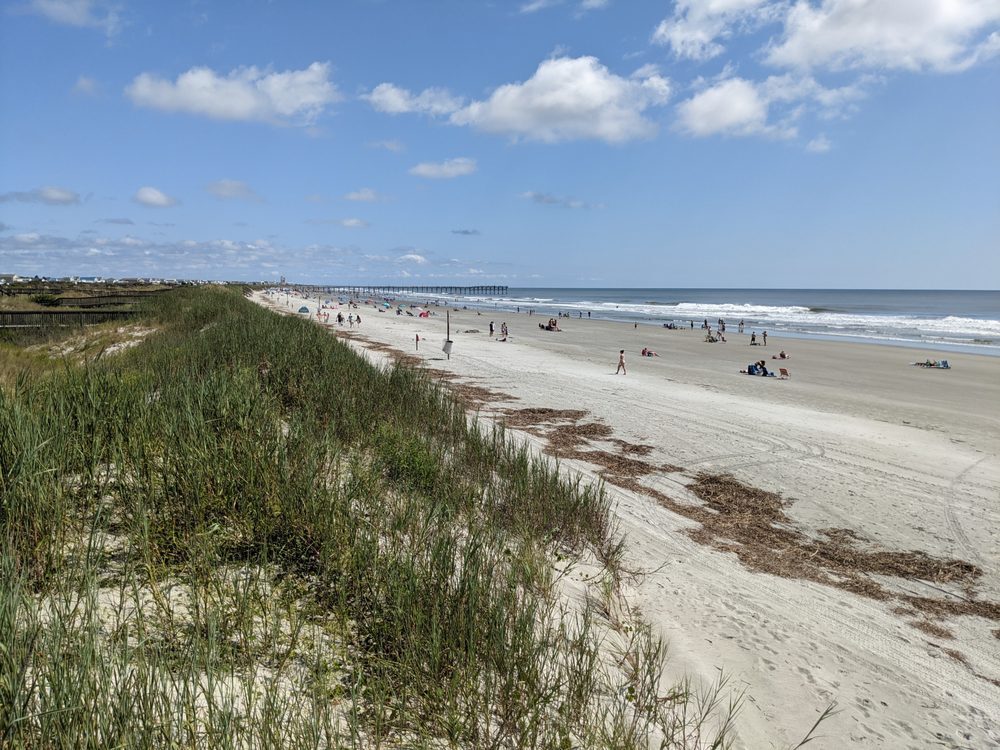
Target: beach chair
(785,374)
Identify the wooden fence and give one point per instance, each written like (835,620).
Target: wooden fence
(40,318)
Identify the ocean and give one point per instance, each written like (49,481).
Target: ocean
(927,319)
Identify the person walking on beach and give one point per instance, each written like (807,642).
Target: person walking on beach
(753,339)
(621,363)
(491,328)
(764,336)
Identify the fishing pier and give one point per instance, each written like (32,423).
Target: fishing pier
(377,290)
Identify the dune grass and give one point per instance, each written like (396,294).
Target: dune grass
(240,534)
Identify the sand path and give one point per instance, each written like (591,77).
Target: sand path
(907,458)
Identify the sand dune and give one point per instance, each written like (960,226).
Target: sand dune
(876,584)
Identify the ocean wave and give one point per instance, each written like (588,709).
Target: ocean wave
(828,321)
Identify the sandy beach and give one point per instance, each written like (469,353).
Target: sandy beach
(890,470)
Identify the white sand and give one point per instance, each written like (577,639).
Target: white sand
(908,458)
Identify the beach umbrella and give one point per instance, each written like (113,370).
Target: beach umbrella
(304,309)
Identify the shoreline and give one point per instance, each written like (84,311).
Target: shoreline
(856,439)
(970,344)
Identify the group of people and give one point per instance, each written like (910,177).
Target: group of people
(552,325)
(758,368)
(753,338)
(351,318)
(503,330)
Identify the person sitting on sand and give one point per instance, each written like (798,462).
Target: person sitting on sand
(643,353)
(651,353)
(780,355)
(763,369)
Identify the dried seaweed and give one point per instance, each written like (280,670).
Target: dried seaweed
(525,417)
(932,628)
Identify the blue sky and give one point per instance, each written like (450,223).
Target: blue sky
(728,143)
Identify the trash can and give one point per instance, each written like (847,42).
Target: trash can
(447,346)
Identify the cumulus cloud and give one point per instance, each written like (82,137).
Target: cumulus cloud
(445,170)
(939,35)
(52,196)
(739,107)
(732,107)
(570,99)
(247,93)
(364,194)
(80,13)
(150,196)
(697,27)
(233,190)
(395,100)
(420,260)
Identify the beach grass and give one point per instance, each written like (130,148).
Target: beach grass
(239,533)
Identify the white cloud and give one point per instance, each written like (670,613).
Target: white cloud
(364,194)
(353,223)
(150,196)
(736,106)
(412,258)
(81,13)
(547,199)
(394,100)
(570,99)
(85,86)
(819,145)
(53,196)
(389,145)
(732,107)
(248,93)
(233,189)
(445,170)
(939,35)
(536,5)
(697,26)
